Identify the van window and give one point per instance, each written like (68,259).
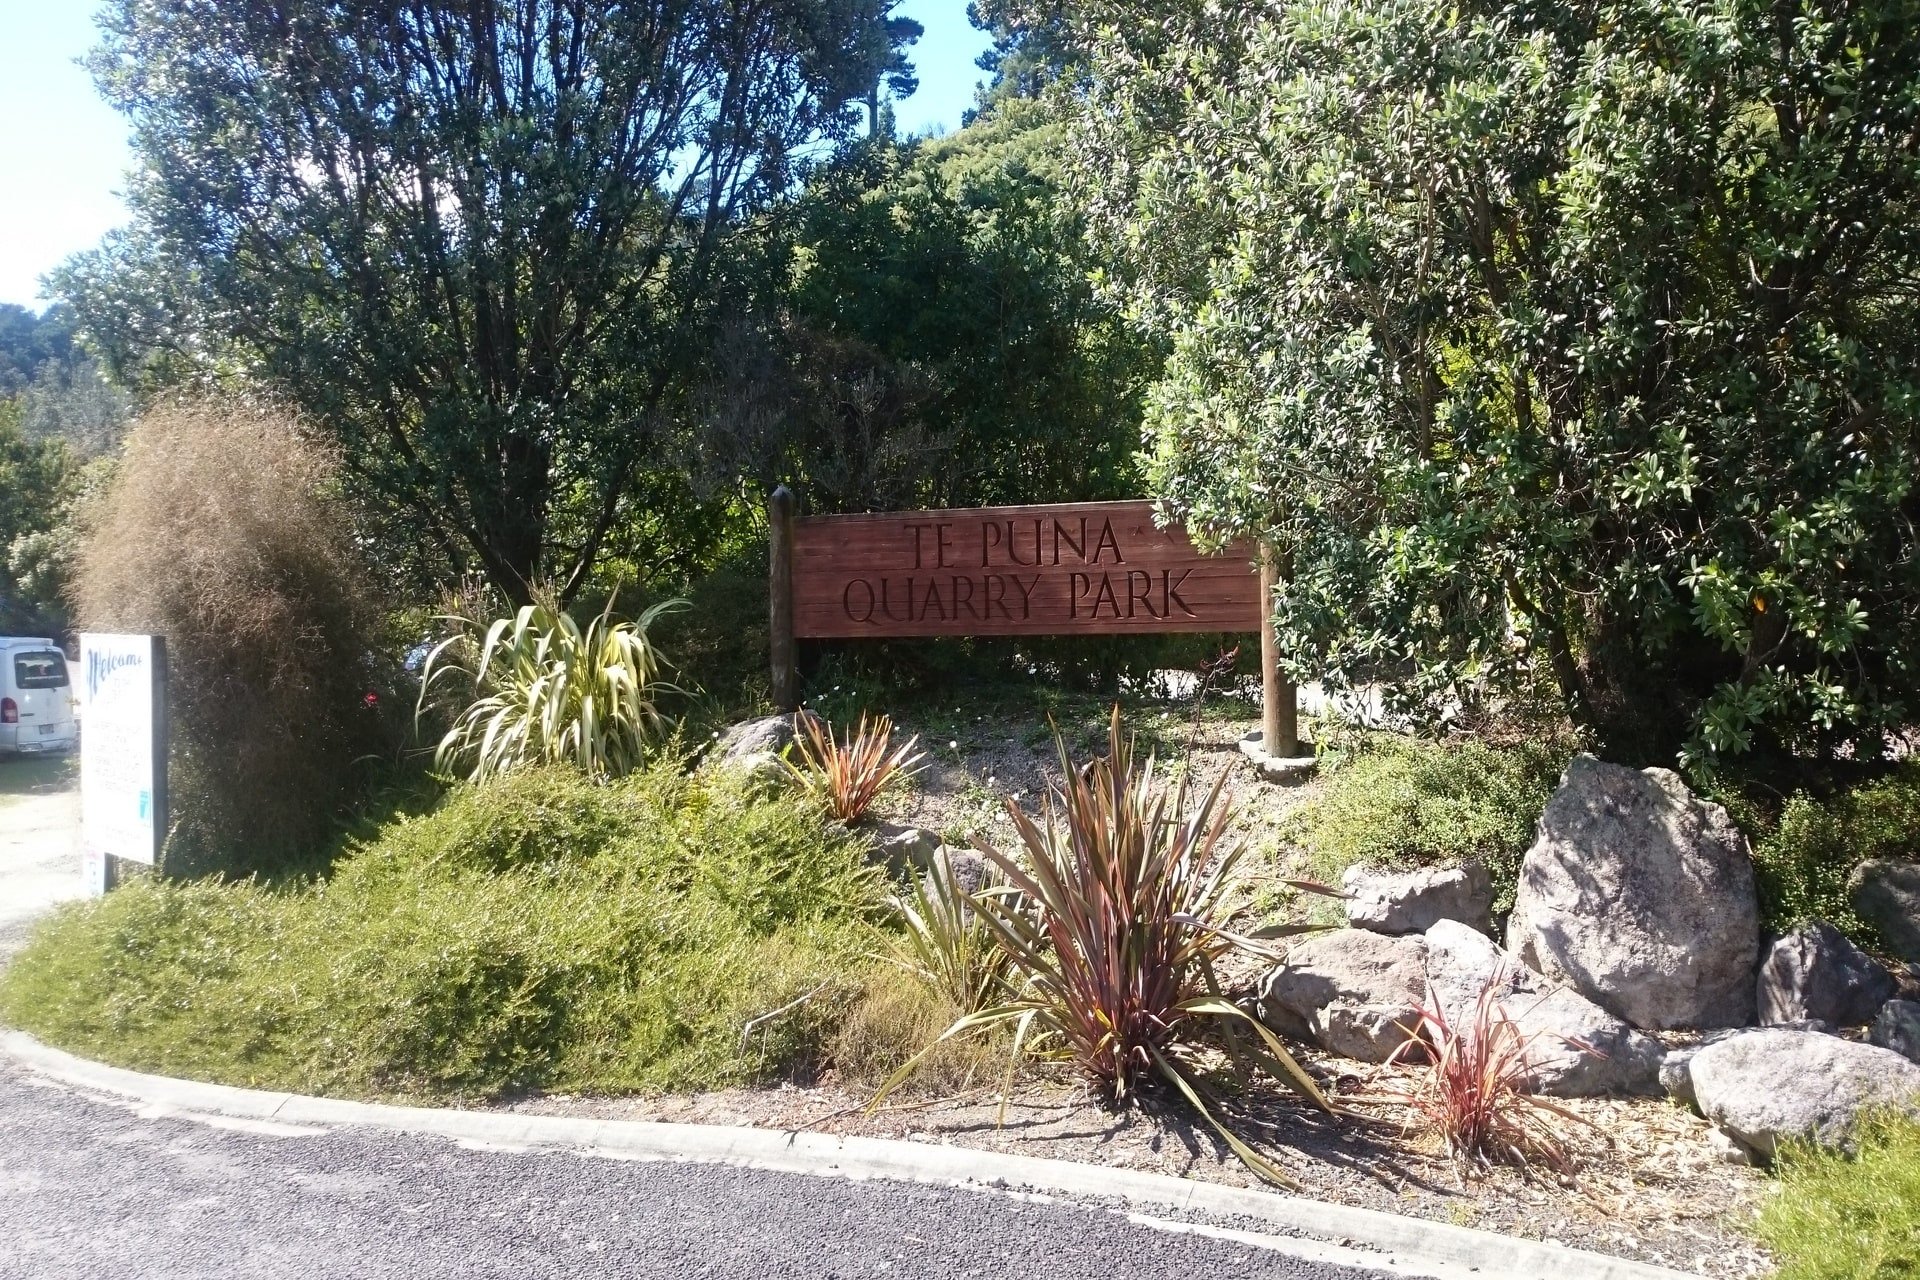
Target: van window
(41,669)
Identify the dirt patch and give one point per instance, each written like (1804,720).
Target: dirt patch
(980,756)
(1650,1182)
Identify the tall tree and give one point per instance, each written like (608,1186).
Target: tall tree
(474,240)
(1570,337)
(930,334)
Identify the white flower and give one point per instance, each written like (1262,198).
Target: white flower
(953,744)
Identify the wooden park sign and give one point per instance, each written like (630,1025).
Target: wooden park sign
(1082,568)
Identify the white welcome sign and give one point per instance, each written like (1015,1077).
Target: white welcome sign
(123,751)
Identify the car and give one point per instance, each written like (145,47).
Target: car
(36,697)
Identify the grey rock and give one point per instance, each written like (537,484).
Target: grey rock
(1575,1048)
(764,735)
(1898,1028)
(902,849)
(1814,973)
(1641,898)
(1820,1025)
(1887,896)
(1770,1084)
(970,868)
(1413,901)
(1676,1065)
(1727,1150)
(752,748)
(1354,992)
(1676,1075)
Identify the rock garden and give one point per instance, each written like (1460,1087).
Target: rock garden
(1629,961)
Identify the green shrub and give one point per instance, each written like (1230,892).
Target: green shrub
(547,691)
(538,931)
(1849,1218)
(1801,865)
(1397,803)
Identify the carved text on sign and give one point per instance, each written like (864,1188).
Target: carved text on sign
(1101,567)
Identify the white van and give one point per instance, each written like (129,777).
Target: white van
(36,697)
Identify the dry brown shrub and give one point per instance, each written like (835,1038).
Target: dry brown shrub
(896,1017)
(219,533)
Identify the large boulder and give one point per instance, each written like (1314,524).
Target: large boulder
(1676,1067)
(1771,1084)
(1356,993)
(1641,898)
(1575,1047)
(1413,901)
(1887,896)
(1814,972)
(1897,1027)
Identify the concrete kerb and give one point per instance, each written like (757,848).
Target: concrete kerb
(1351,1236)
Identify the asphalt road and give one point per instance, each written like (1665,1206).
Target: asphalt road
(90,1188)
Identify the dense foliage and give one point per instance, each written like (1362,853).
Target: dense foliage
(220,531)
(537,932)
(1573,334)
(1394,804)
(479,245)
(928,334)
(30,342)
(37,481)
(1801,861)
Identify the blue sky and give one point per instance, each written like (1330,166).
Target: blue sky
(62,152)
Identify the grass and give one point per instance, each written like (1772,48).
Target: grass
(538,932)
(1849,1218)
(22,776)
(1398,803)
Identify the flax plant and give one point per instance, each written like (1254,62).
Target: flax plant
(1114,925)
(849,776)
(550,692)
(1476,1092)
(949,947)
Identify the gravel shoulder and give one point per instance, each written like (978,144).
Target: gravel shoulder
(39,842)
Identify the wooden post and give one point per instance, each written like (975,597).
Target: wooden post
(1279,700)
(786,680)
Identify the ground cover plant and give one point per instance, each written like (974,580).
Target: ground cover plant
(1840,1217)
(1802,859)
(1396,803)
(540,931)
